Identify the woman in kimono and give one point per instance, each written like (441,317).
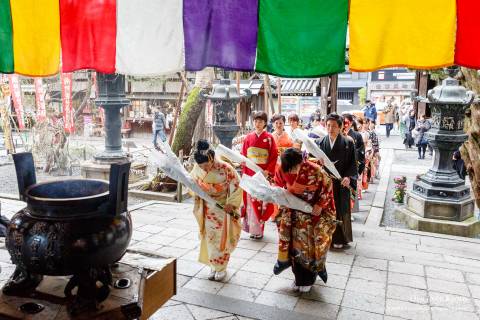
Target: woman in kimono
(340,150)
(219,229)
(260,147)
(304,238)
(281,137)
(375,151)
(363,176)
(294,122)
(283,142)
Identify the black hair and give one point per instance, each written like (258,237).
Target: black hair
(335,117)
(317,117)
(348,116)
(457,155)
(291,158)
(260,115)
(203,153)
(278,117)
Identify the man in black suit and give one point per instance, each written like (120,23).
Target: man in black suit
(340,150)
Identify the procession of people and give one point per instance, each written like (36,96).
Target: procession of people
(304,236)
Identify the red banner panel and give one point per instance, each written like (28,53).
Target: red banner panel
(467,52)
(88,32)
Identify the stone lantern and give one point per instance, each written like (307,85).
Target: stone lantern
(112,98)
(440,201)
(225,98)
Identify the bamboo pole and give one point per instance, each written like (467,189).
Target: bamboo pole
(183,77)
(177,112)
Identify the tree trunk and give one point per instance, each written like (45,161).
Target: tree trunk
(84,102)
(191,112)
(471,149)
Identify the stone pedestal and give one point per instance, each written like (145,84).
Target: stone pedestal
(440,201)
(101,170)
(466,228)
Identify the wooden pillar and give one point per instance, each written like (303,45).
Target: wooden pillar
(421,86)
(333,92)
(279,94)
(239,104)
(266,83)
(324,93)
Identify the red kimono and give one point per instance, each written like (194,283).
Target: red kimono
(263,151)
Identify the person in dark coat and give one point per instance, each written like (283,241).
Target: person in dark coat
(459,165)
(340,150)
(349,126)
(350,129)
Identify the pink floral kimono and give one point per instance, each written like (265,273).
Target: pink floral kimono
(219,231)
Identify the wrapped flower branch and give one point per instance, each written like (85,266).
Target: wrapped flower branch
(259,187)
(168,162)
(315,150)
(231,155)
(318,153)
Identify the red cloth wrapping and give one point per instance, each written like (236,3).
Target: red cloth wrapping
(88,33)
(467,52)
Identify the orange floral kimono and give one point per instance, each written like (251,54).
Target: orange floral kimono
(305,238)
(283,142)
(219,231)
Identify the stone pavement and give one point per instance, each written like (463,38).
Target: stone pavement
(386,273)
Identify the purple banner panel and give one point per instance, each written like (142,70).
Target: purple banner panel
(220,33)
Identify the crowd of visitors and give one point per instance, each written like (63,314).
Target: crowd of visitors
(351,144)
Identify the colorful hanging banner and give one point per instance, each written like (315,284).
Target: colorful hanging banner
(6,38)
(467,52)
(67,108)
(88,33)
(408,33)
(16,92)
(280,37)
(220,33)
(40,100)
(150,38)
(36,40)
(302,38)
